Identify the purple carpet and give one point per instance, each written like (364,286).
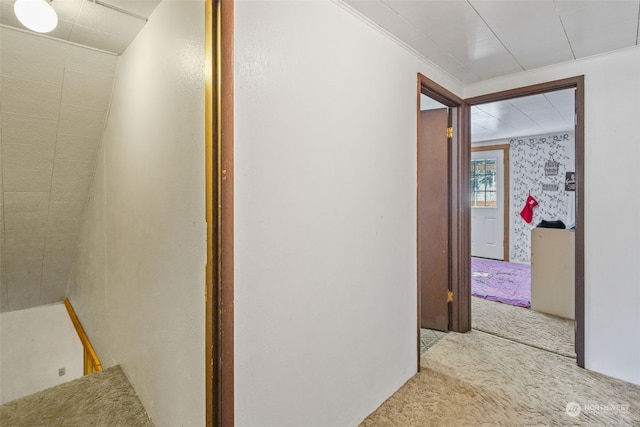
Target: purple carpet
(501,281)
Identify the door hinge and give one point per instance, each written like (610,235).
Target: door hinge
(449,296)
(450,132)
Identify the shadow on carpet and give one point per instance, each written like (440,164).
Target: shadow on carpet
(479,379)
(525,326)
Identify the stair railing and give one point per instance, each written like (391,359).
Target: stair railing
(91,361)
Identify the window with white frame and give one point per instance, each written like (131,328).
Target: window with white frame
(484,188)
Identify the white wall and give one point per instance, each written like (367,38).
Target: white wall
(139,280)
(34,344)
(325,199)
(612,203)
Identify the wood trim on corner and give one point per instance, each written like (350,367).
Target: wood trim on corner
(576,83)
(211,326)
(505,158)
(418,292)
(579,248)
(91,361)
(219,288)
(461,223)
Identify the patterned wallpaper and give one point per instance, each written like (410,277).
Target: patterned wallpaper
(528,157)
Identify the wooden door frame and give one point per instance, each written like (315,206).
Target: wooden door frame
(459,209)
(219,367)
(576,83)
(505,192)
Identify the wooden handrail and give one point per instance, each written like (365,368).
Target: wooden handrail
(91,361)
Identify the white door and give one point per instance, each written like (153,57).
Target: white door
(487,204)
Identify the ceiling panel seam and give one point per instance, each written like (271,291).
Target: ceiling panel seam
(44,36)
(496,36)
(638,26)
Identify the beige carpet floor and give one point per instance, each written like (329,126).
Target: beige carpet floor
(477,379)
(103,399)
(523,325)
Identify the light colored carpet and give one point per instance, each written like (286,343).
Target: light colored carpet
(104,399)
(525,326)
(477,379)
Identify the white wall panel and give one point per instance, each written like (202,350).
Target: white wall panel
(325,158)
(34,344)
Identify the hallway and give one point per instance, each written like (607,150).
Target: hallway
(477,378)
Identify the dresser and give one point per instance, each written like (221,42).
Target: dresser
(553,271)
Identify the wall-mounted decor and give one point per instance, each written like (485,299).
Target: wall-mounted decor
(527,211)
(527,159)
(551,167)
(570,181)
(550,187)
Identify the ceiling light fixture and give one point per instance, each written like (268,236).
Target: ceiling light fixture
(36,15)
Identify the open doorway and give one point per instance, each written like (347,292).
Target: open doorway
(540,159)
(523,223)
(442,226)
(459,232)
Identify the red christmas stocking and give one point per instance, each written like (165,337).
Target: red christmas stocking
(527,211)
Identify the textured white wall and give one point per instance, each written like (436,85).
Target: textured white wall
(34,344)
(138,285)
(612,203)
(325,158)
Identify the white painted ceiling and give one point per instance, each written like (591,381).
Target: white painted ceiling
(525,116)
(475,40)
(88,23)
(54,101)
(529,115)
